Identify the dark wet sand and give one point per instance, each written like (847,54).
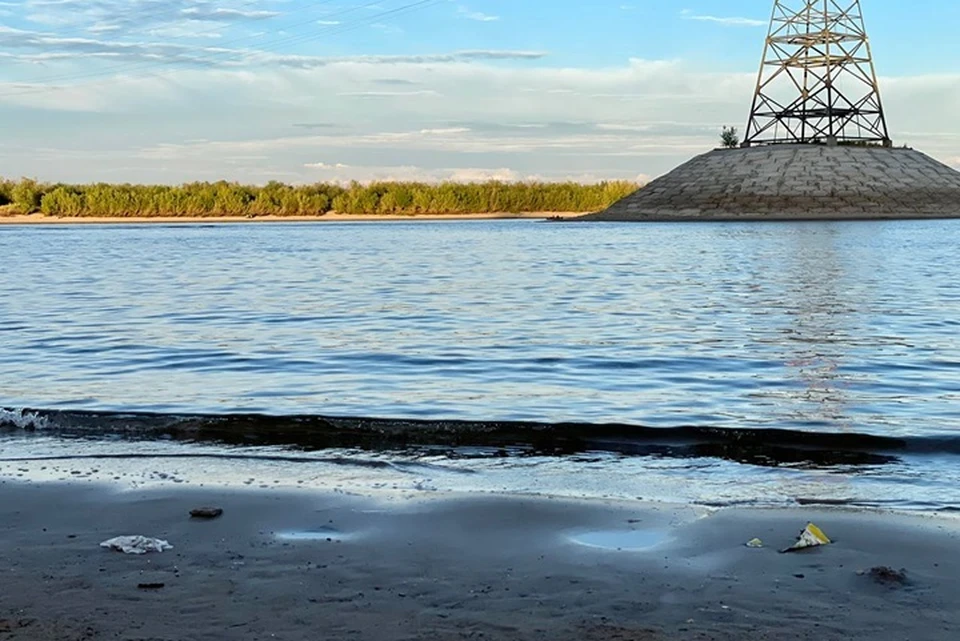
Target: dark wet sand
(458,568)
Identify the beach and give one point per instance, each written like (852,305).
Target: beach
(507,431)
(332,565)
(39,219)
(300,339)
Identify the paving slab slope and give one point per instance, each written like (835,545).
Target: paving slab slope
(796,182)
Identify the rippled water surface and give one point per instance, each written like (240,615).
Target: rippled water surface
(846,326)
(827,327)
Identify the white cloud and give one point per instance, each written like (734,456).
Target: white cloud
(219,14)
(455,114)
(388,94)
(343,174)
(36,46)
(729,21)
(318,165)
(131,16)
(441,132)
(478,16)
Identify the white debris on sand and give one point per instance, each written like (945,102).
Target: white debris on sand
(136,544)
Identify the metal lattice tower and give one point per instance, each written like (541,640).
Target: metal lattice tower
(817,82)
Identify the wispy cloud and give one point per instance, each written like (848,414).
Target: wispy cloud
(468,13)
(388,94)
(219,15)
(137,15)
(42,47)
(728,21)
(324,165)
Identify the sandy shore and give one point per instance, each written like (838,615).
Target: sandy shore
(38,219)
(458,568)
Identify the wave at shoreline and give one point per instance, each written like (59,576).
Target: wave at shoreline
(480,439)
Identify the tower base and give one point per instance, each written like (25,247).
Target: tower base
(796,182)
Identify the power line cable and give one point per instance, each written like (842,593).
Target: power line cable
(334,30)
(409,8)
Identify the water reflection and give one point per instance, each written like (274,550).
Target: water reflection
(822,321)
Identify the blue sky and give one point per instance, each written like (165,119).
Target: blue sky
(253,90)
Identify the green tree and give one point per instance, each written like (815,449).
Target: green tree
(729,138)
(62,201)
(26,196)
(6,192)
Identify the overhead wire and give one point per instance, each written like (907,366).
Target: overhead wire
(350,25)
(409,8)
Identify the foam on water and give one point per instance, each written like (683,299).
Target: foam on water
(23,419)
(922,484)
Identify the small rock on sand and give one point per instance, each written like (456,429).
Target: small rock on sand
(887,576)
(9,625)
(206,512)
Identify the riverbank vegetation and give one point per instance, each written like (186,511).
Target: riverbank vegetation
(28,196)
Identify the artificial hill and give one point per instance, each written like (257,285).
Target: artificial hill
(796,182)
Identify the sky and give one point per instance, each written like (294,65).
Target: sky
(169,91)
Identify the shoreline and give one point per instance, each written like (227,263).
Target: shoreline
(39,219)
(596,217)
(278,565)
(724,217)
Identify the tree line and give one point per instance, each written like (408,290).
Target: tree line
(222,198)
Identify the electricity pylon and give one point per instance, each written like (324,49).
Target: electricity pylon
(817,82)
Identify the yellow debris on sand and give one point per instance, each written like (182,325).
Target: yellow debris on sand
(811,536)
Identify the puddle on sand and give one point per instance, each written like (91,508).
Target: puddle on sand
(623,540)
(327,534)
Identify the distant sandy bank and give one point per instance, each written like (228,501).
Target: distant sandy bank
(39,219)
